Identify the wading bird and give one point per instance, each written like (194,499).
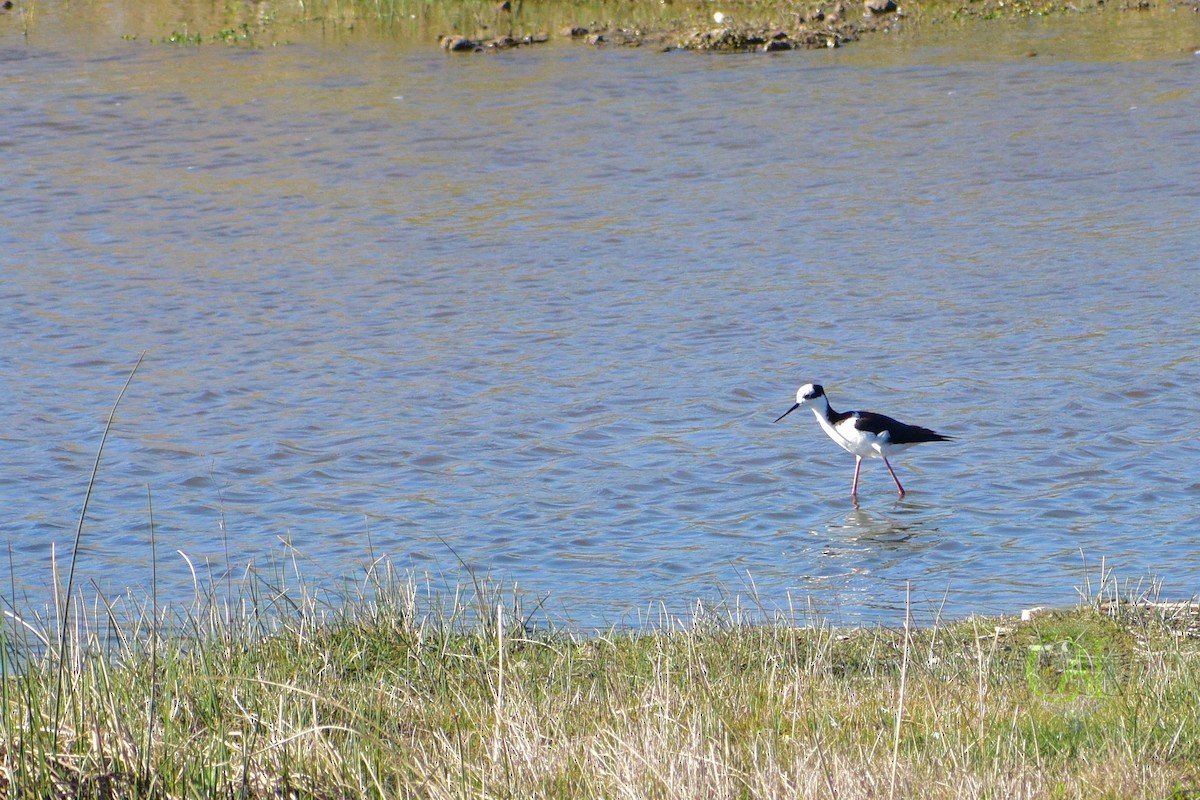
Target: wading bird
(863,433)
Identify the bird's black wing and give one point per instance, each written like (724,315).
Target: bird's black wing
(898,432)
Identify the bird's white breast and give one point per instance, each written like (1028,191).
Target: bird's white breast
(861,443)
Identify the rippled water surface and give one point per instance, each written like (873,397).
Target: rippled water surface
(537,311)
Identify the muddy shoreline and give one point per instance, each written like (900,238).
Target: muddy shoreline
(781,28)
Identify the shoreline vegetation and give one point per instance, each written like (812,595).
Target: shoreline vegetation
(491,25)
(387,690)
(767,26)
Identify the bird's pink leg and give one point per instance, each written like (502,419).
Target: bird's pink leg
(897,480)
(857,467)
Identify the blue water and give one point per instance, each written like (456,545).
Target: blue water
(532,316)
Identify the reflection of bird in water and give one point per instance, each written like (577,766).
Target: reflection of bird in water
(871,528)
(863,433)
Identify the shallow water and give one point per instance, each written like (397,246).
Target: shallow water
(537,311)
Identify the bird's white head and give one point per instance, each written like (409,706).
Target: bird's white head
(807,395)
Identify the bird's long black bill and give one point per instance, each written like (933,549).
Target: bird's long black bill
(790,410)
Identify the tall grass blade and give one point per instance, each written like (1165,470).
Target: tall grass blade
(87,497)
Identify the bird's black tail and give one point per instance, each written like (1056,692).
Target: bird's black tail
(915,434)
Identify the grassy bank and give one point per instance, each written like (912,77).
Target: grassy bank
(385,692)
(473,25)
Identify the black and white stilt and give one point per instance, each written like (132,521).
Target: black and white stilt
(863,433)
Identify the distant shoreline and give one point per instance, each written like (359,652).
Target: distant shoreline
(492,25)
(774,26)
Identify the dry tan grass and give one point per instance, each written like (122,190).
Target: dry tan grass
(386,694)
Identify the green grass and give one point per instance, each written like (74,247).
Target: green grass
(385,691)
